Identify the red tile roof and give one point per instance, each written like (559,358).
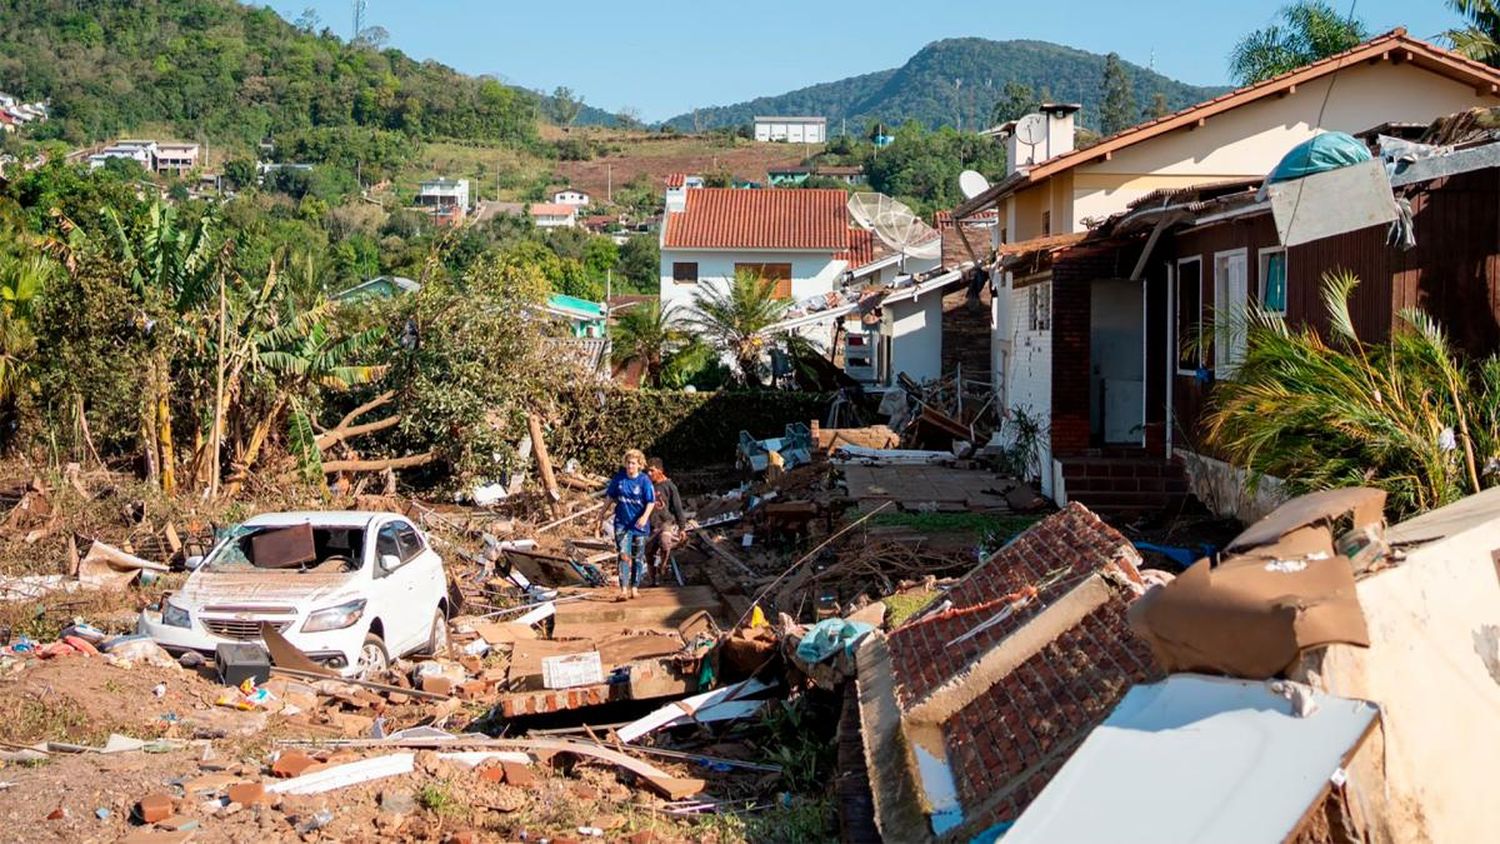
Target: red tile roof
(861,249)
(676,180)
(1007,741)
(552,209)
(722,218)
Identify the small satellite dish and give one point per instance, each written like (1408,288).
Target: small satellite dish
(896,225)
(972,183)
(1031,129)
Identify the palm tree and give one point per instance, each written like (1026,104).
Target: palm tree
(734,318)
(1480,39)
(650,334)
(1309,30)
(1410,416)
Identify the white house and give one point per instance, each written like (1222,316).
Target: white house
(448,195)
(553,215)
(791,237)
(571,196)
(1053,191)
(792,130)
(141,152)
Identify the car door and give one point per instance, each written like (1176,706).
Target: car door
(391,590)
(429,583)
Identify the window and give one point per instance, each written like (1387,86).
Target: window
(1187,334)
(409,541)
(1046,223)
(685,272)
(1039,307)
(1231,295)
(386,544)
(781,274)
(1273,280)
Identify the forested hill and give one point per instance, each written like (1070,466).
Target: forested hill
(220,70)
(924,88)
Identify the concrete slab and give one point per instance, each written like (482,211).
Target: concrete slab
(656,609)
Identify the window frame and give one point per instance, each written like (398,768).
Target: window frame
(782,283)
(1263,258)
(676,279)
(1039,306)
(1176,337)
(380,569)
(1224,364)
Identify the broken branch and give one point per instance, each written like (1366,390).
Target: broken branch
(331,467)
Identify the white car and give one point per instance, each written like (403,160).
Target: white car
(352,590)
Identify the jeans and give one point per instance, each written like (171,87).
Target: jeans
(632,548)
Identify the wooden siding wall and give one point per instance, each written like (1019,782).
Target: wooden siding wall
(1453,274)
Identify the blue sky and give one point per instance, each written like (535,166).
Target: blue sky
(664,57)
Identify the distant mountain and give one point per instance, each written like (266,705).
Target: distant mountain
(957,80)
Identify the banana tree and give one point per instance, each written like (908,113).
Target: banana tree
(175,269)
(21,280)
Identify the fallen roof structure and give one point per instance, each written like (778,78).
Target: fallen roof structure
(1256,768)
(968,710)
(1433,665)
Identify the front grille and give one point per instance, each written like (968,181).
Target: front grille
(244,630)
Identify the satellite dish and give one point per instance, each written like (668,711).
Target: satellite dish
(896,225)
(1031,129)
(972,183)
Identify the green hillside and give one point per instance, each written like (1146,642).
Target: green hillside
(924,88)
(226,72)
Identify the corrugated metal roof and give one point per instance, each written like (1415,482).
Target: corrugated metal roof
(1250,768)
(721,218)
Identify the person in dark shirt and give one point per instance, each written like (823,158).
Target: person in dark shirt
(634,497)
(669,521)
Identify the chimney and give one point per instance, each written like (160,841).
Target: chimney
(1039,136)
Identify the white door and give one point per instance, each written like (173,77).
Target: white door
(1231,295)
(394,591)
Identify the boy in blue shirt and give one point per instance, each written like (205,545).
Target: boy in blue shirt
(635,497)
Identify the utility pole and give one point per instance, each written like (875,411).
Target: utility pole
(359,19)
(609,182)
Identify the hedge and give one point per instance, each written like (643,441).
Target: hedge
(687,430)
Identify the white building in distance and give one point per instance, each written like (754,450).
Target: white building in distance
(792,130)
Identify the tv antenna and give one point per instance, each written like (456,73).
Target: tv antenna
(1031,130)
(972,183)
(360,6)
(896,225)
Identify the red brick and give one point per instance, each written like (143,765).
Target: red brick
(492,773)
(518,774)
(247,793)
(292,763)
(437,685)
(156,807)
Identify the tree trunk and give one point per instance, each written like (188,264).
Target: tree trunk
(334,466)
(246,460)
(165,446)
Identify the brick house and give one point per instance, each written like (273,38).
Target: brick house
(969,709)
(1071,318)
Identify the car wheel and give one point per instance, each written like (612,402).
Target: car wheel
(437,641)
(372,657)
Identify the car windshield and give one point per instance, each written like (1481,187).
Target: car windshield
(285,548)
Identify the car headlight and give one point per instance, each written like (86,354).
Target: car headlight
(175,616)
(334,618)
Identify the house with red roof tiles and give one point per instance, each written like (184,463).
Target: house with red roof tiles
(968,709)
(1070,339)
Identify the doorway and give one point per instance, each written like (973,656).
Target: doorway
(1117,363)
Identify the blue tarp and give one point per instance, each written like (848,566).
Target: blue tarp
(827,637)
(1328,151)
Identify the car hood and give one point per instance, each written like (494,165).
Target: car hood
(306,591)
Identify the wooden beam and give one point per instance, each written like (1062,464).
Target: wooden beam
(543,461)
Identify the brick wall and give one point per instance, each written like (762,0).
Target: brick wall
(1073,275)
